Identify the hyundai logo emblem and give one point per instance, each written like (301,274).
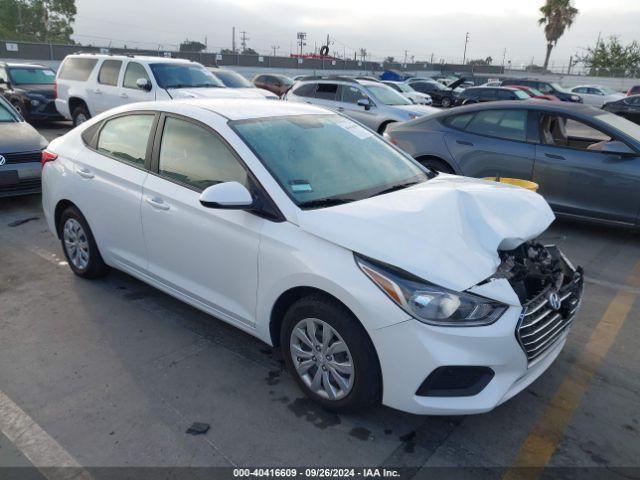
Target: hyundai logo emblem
(554,300)
(2,160)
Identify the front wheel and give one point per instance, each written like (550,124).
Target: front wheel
(80,115)
(446,102)
(330,355)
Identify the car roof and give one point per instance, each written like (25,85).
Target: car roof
(545,105)
(24,65)
(141,58)
(235,108)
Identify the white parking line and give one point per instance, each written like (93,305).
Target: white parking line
(53,461)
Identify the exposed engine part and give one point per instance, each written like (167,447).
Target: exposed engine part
(531,268)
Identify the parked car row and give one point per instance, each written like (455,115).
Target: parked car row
(30,89)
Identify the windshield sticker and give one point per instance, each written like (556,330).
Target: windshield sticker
(354,129)
(300,186)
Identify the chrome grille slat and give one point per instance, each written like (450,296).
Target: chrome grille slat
(540,328)
(545,334)
(552,342)
(537,319)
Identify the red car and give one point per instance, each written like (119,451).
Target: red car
(635,90)
(533,93)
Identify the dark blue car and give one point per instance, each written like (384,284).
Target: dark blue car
(586,160)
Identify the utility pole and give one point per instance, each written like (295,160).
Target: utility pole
(406,52)
(431,62)
(504,57)
(466,41)
(233,39)
(302,40)
(243,40)
(274,48)
(363,54)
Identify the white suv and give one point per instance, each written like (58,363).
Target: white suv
(89,84)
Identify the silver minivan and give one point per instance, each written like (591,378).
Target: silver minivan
(373,104)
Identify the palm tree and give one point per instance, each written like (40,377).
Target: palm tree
(558,15)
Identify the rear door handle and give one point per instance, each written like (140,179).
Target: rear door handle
(556,157)
(464,142)
(157,202)
(85,173)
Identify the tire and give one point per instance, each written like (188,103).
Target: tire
(79,245)
(80,115)
(383,127)
(361,388)
(436,165)
(446,102)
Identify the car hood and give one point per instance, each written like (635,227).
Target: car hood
(214,92)
(419,110)
(45,91)
(612,97)
(17,137)
(447,230)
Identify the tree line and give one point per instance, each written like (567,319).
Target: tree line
(37,20)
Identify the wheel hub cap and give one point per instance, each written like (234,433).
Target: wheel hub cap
(76,244)
(322,359)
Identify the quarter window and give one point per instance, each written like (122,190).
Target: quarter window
(109,72)
(194,156)
(133,72)
(76,68)
(507,124)
(126,138)
(458,121)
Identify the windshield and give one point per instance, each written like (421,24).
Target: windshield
(286,81)
(620,123)
(6,113)
(521,95)
(31,76)
(405,88)
(358,165)
(183,75)
(387,95)
(607,90)
(534,91)
(232,79)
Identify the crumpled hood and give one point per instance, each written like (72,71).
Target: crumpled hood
(419,110)
(447,230)
(214,92)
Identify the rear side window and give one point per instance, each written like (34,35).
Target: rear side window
(125,138)
(109,71)
(507,124)
(77,68)
(458,121)
(488,95)
(194,156)
(506,95)
(306,90)
(327,91)
(133,72)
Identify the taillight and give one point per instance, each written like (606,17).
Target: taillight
(47,156)
(55,89)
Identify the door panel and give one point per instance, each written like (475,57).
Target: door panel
(588,183)
(207,254)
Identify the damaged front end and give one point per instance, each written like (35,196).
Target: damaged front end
(550,290)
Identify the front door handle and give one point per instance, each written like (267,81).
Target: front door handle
(157,202)
(85,173)
(554,156)
(464,142)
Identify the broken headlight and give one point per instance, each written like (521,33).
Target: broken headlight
(430,303)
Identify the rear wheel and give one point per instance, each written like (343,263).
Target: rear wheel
(436,164)
(446,102)
(79,246)
(330,355)
(382,128)
(80,115)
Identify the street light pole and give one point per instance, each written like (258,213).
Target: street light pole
(466,41)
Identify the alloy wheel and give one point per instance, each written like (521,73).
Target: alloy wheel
(76,243)
(322,359)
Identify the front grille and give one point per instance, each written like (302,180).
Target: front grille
(541,325)
(22,157)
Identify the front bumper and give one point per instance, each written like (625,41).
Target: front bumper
(43,111)
(20,179)
(499,347)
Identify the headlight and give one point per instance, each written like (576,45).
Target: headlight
(575,98)
(430,303)
(413,116)
(35,103)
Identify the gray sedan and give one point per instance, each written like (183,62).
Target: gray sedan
(586,161)
(20,152)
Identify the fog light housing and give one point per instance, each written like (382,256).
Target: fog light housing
(455,381)
(34,103)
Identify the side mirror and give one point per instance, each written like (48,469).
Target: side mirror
(364,102)
(227,195)
(143,84)
(617,147)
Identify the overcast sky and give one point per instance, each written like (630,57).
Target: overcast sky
(423,27)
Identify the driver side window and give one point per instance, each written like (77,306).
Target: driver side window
(561,131)
(133,72)
(350,94)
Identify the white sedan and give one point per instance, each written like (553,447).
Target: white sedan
(405,89)
(378,279)
(597,95)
